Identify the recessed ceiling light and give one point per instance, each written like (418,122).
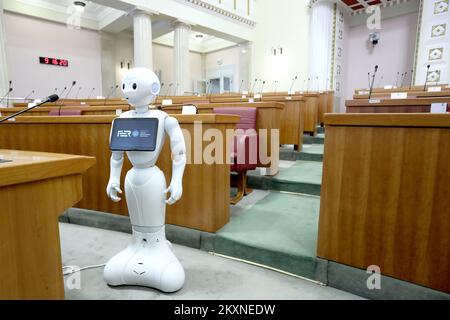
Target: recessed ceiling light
(79,6)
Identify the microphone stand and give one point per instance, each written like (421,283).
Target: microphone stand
(28,109)
(26,98)
(90,93)
(373,81)
(76,96)
(426,78)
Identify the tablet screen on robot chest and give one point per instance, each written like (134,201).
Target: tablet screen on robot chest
(134,134)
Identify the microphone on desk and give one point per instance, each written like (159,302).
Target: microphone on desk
(51,98)
(28,95)
(65,88)
(54,91)
(168,90)
(90,93)
(426,78)
(111,91)
(70,89)
(403,79)
(307,84)
(254,84)
(292,85)
(7,94)
(368,78)
(78,92)
(396,80)
(262,87)
(318,85)
(373,81)
(379,82)
(410,82)
(160,90)
(240,86)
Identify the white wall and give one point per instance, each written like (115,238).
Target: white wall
(28,38)
(394,53)
(282,23)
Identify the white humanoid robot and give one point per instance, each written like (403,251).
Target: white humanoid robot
(148,260)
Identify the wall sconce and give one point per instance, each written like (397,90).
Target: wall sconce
(274,51)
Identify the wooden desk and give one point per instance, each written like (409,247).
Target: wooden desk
(410,95)
(205,202)
(385,195)
(80,102)
(422,105)
(268,118)
(183,99)
(85,111)
(292,122)
(400,89)
(35,188)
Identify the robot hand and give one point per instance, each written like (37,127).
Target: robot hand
(176,190)
(112,190)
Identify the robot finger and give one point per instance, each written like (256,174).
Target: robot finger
(169,189)
(170,201)
(115,198)
(117,189)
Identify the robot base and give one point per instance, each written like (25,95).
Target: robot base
(148,261)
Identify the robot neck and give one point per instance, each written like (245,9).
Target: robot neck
(141,109)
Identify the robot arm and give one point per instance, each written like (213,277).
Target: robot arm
(178,148)
(113,188)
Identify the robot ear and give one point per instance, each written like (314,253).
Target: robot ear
(155,88)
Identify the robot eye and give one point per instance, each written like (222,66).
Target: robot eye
(134,86)
(123,86)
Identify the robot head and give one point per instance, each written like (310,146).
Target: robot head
(140,86)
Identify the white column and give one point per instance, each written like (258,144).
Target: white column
(181,63)
(320,44)
(4,82)
(143,51)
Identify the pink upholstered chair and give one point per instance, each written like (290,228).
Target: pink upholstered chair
(68,112)
(244,153)
(53,113)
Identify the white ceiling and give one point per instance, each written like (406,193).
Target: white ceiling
(92,10)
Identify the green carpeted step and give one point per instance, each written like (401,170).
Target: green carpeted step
(310,152)
(279,231)
(318,139)
(302,177)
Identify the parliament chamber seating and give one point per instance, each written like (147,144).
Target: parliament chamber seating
(245,147)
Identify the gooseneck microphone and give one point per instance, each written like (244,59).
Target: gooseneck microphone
(254,84)
(396,80)
(404,77)
(240,86)
(6,95)
(262,87)
(90,93)
(111,91)
(368,78)
(373,81)
(54,91)
(168,90)
(71,87)
(51,98)
(426,78)
(411,82)
(292,85)
(78,92)
(10,90)
(26,98)
(65,88)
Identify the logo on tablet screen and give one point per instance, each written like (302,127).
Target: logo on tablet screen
(124,133)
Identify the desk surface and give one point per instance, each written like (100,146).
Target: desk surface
(24,164)
(389,119)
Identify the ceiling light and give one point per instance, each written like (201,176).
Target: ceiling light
(79,6)
(199,37)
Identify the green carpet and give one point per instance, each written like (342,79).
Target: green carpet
(279,231)
(303,177)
